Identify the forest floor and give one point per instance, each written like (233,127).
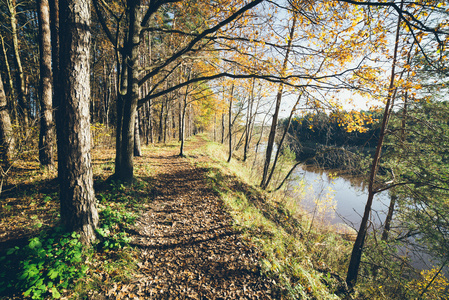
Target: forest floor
(190,248)
(180,241)
(193,227)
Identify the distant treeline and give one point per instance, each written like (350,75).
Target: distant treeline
(339,141)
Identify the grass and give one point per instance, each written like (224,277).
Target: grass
(307,261)
(307,258)
(277,226)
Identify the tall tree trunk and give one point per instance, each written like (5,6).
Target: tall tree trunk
(161,123)
(54,32)
(389,217)
(180,109)
(106,94)
(12,103)
(215,126)
(6,134)
(173,123)
(137,148)
(21,85)
(167,111)
(122,84)
(278,151)
(46,134)
(182,124)
(394,196)
(78,206)
(356,255)
(132,95)
(274,121)
(230,123)
(150,123)
(249,116)
(222,127)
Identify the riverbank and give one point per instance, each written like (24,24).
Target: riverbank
(173,233)
(189,227)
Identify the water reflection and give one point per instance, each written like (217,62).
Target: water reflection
(349,194)
(339,200)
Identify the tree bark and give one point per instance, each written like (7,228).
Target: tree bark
(222,127)
(6,134)
(46,134)
(78,208)
(150,123)
(21,85)
(230,123)
(137,148)
(126,167)
(281,142)
(161,122)
(182,124)
(356,255)
(249,117)
(272,135)
(122,84)
(54,31)
(10,94)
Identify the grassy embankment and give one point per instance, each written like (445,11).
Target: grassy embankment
(309,259)
(306,259)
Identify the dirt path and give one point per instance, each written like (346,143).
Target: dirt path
(189,248)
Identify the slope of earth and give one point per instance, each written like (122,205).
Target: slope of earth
(189,248)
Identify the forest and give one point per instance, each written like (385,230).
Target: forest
(106,106)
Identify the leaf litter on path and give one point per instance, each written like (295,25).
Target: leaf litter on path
(189,248)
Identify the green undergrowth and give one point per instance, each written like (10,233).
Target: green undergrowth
(304,261)
(54,263)
(48,264)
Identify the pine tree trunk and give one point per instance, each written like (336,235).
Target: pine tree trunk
(166,126)
(10,85)
(230,123)
(6,134)
(137,148)
(182,124)
(21,85)
(78,206)
(46,134)
(126,169)
(161,123)
(54,32)
(150,123)
(222,127)
(215,126)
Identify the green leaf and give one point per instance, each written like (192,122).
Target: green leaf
(53,273)
(12,250)
(28,292)
(55,293)
(34,243)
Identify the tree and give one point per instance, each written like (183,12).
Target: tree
(137,22)
(230,123)
(6,134)
(21,84)
(78,205)
(357,249)
(274,121)
(46,134)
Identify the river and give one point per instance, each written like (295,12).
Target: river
(340,201)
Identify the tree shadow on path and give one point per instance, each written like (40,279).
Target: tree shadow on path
(189,247)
